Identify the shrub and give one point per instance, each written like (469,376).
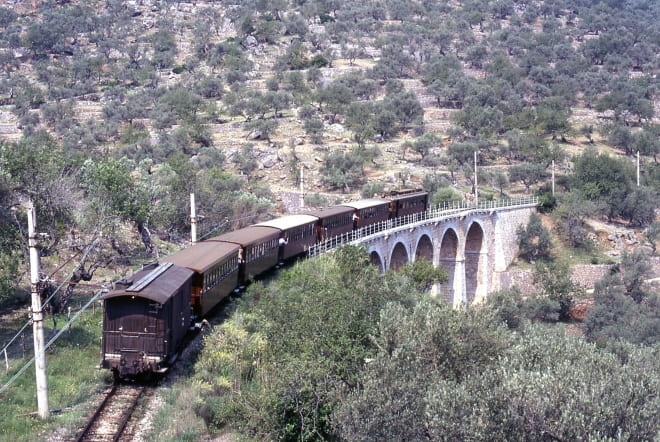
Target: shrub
(534,240)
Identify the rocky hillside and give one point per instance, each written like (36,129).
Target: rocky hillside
(131,105)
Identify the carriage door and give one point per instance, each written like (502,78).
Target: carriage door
(153,329)
(130,327)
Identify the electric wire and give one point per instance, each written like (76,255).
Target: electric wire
(51,341)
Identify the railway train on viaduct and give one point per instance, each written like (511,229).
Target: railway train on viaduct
(147,315)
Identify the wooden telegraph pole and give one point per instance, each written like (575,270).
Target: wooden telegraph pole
(37,316)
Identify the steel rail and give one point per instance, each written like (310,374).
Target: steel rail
(85,433)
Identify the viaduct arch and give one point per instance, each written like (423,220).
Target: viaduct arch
(473,245)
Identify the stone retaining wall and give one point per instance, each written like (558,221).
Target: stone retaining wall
(584,275)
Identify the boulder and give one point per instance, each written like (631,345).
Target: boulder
(338,128)
(250,41)
(255,135)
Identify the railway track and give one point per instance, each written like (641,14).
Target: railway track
(109,421)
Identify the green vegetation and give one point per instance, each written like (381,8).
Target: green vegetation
(119,111)
(534,240)
(506,76)
(625,309)
(333,350)
(73,381)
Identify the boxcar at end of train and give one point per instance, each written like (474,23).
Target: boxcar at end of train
(145,320)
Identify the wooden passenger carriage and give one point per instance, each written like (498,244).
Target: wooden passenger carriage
(299,231)
(257,249)
(145,320)
(407,202)
(332,221)
(216,272)
(369,211)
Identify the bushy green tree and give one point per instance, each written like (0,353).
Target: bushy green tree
(164,48)
(10,240)
(552,118)
(245,159)
(424,144)
(548,385)
(295,58)
(600,176)
(171,185)
(526,386)
(342,170)
(110,187)
(555,291)
(424,275)
(286,363)
(508,306)
(36,168)
(360,119)
(571,215)
(653,235)
(313,127)
(528,173)
(625,308)
(638,207)
(534,240)
(417,349)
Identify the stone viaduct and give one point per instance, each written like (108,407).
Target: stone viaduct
(473,244)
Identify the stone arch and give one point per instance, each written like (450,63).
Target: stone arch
(448,257)
(475,266)
(374,257)
(424,248)
(399,256)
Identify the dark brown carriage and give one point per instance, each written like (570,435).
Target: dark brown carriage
(145,320)
(258,249)
(408,202)
(369,211)
(298,231)
(332,221)
(216,268)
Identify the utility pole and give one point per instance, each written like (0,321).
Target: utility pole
(476,192)
(637,168)
(553,177)
(193,219)
(37,316)
(302,187)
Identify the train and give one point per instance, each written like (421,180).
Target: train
(147,316)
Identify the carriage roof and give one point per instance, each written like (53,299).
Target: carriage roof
(248,236)
(364,204)
(155,284)
(203,255)
(289,221)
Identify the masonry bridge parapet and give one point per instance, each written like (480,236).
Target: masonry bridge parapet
(471,242)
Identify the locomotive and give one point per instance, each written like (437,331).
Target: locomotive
(147,315)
